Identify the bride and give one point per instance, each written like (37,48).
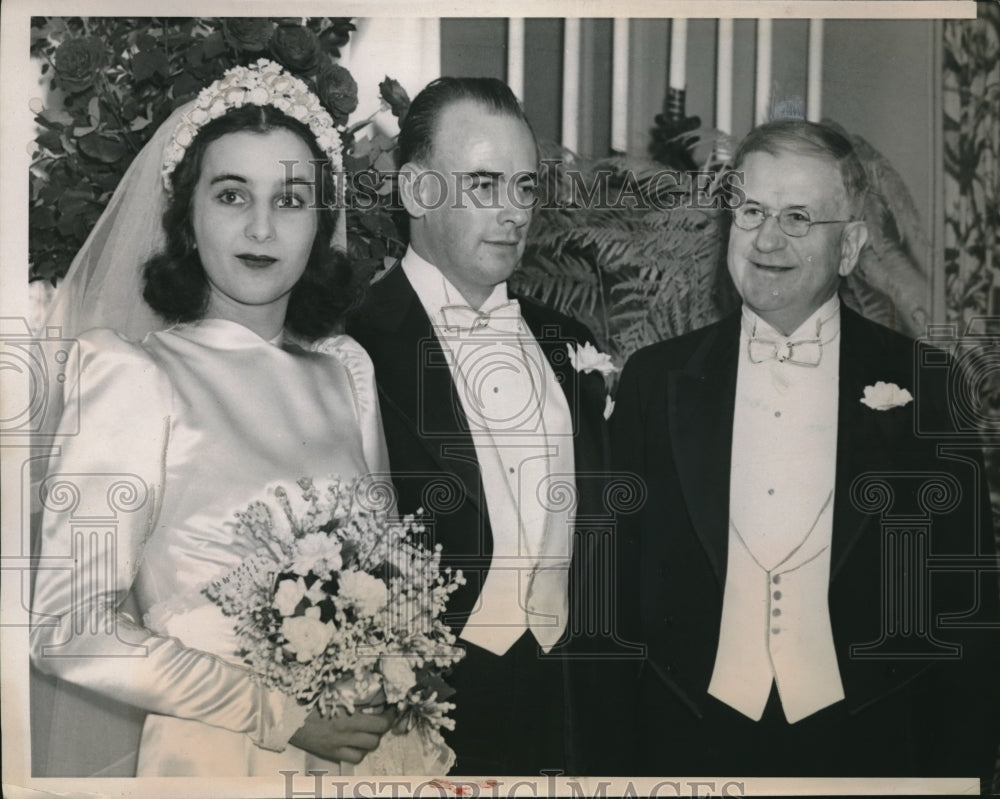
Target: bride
(183,425)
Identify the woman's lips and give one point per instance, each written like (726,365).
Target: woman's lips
(256,261)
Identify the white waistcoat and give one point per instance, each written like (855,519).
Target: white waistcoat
(775,613)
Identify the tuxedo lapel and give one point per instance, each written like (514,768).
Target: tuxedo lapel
(414,381)
(859,429)
(701,402)
(585,393)
(552,342)
(701,399)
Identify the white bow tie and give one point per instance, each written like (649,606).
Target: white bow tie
(807,352)
(505,318)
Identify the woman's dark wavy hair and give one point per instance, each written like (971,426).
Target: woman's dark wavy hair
(176,286)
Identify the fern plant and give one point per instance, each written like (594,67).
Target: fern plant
(890,284)
(627,246)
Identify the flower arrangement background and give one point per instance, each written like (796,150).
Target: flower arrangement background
(340,606)
(113,80)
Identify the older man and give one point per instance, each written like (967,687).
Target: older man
(778,573)
(486,417)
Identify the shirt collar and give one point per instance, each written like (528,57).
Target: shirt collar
(823,323)
(435,290)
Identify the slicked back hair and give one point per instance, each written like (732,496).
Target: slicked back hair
(813,139)
(416,135)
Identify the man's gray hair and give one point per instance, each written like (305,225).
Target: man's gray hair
(809,138)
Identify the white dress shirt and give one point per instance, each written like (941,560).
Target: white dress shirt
(775,614)
(521,427)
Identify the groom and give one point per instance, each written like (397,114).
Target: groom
(487,420)
(814,576)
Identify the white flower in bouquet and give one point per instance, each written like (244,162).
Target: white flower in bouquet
(307,636)
(398,677)
(367,594)
(317,553)
(281,528)
(292,591)
(310,611)
(288,596)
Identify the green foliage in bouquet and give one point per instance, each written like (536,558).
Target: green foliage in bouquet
(113,80)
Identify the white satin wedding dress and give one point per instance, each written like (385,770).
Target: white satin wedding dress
(173,436)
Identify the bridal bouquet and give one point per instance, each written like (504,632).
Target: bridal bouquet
(340,605)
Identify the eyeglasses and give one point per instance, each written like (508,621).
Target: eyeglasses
(792,221)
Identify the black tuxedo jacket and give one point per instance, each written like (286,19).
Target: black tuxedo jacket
(431,453)
(672,426)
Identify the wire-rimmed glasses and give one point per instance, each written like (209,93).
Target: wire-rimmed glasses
(793,222)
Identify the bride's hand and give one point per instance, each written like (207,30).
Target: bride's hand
(345,737)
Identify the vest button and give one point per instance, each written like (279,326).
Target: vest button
(776,579)
(775,630)
(776,612)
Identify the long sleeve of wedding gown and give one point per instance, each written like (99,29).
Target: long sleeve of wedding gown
(101,498)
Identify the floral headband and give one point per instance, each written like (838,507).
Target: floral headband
(262,83)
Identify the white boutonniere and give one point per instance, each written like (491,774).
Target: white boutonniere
(884,396)
(587,358)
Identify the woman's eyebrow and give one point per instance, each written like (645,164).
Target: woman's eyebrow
(227,176)
(240,179)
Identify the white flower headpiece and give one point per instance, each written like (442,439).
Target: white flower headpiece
(261,83)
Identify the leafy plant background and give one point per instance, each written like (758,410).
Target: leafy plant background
(113,80)
(971,94)
(972,164)
(632,271)
(972,197)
